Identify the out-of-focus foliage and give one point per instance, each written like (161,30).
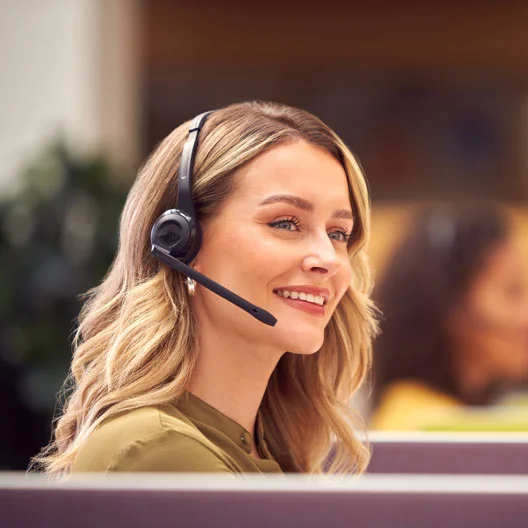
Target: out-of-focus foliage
(58,236)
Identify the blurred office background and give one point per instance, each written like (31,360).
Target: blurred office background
(432,96)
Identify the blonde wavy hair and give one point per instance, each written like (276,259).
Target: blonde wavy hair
(135,345)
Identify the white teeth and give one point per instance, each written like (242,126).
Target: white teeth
(316,299)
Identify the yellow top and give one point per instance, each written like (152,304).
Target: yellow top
(189,436)
(411,406)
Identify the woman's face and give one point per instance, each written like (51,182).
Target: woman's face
(496,324)
(280,241)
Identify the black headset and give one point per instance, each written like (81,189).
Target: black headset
(178,230)
(176,236)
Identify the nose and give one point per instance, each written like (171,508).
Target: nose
(321,256)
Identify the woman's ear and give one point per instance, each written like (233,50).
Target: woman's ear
(196,263)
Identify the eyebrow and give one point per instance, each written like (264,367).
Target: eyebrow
(303,204)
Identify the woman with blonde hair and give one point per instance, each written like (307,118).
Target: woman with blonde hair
(230,333)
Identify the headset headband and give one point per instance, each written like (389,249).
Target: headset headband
(185,202)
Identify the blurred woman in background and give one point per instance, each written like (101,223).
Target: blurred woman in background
(455,318)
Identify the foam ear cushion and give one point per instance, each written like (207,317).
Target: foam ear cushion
(173,231)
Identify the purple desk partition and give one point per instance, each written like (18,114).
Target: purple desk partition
(449,453)
(189,501)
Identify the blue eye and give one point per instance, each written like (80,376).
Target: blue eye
(292,224)
(339,236)
(286,224)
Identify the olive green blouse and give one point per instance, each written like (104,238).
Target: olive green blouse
(189,436)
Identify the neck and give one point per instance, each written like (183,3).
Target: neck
(232,375)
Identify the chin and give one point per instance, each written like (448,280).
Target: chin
(305,351)
(303,343)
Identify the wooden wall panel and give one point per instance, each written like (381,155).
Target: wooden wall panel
(391,37)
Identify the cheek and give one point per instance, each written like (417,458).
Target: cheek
(486,304)
(247,249)
(500,309)
(341,283)
(237,253)
(344,277)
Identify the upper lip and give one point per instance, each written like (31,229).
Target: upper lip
(314,290)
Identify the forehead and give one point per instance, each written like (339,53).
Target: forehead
(504,264)
(297,168)
(505,258)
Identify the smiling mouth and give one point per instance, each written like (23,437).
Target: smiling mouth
(305,302)
(317,300)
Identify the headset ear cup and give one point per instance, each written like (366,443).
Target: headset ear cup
(177,231)
(174,232)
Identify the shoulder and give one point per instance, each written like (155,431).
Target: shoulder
(419,392)
(410,405)
(149,439)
